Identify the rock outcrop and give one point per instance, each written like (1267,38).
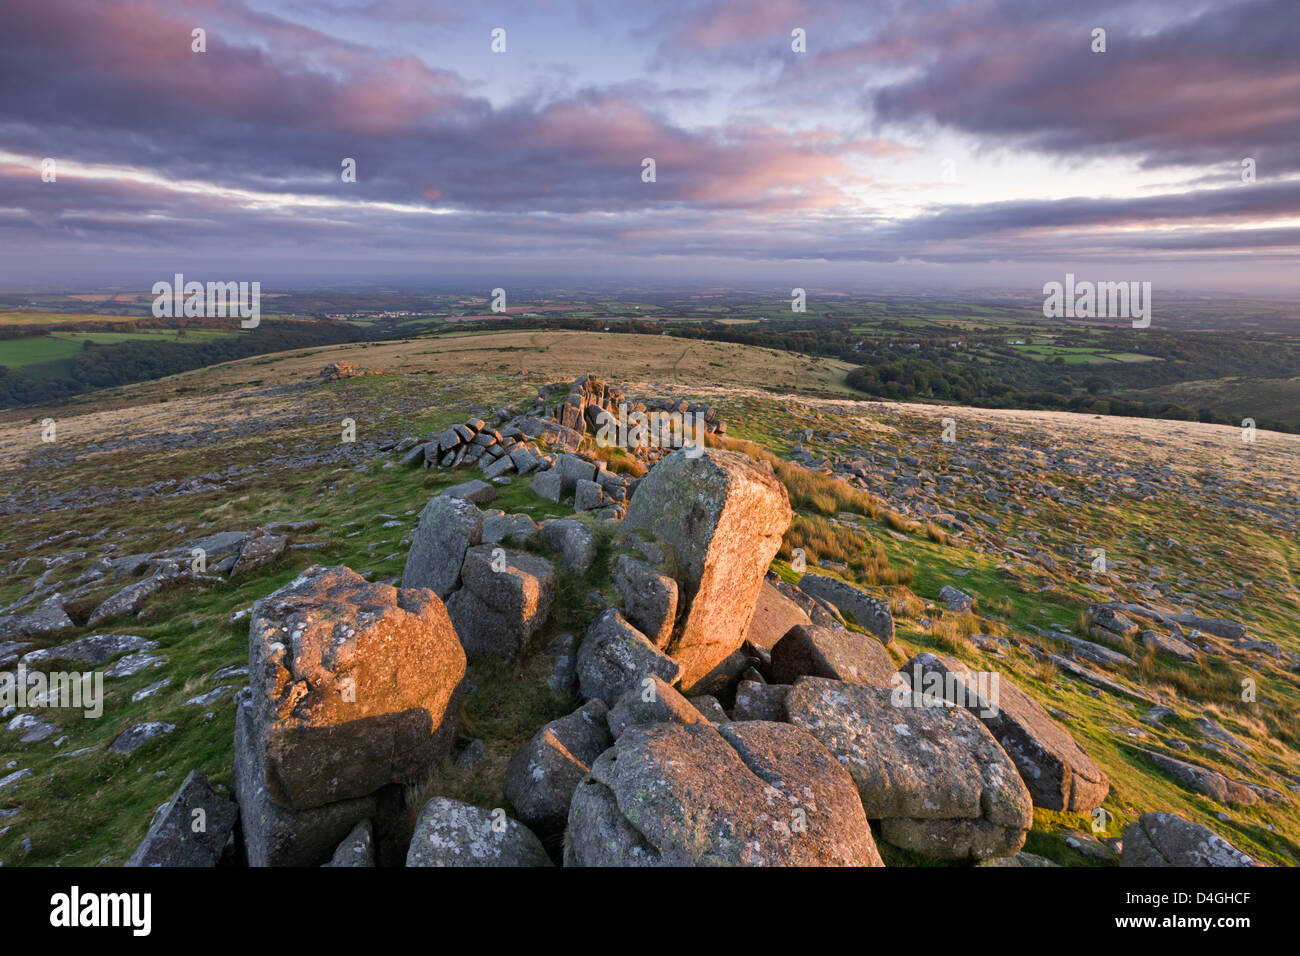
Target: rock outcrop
(722,518)
(192,829)
(503,603)
(870,614)
(543,774)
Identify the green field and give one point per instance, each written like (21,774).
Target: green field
(16,353)
(1079,355)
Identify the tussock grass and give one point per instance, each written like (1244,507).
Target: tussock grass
(903,603)
(937,534)
(820,540)
(809,490)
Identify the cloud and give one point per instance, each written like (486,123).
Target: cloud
(237,151)
(1224,84)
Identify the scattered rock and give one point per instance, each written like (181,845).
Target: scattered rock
(135,737)
(955,600)
(94,650)
(1203,780)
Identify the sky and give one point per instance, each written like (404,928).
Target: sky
(917,143)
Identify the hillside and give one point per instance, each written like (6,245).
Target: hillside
(1012,512)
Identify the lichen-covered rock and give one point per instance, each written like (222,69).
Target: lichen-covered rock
(652,703)
(722,516)
(451,833)
(504,602)
(954,599)
(615,657)
(759,701)
(544,772)
(649,599)
(755,794)
(516,529)
(476,491)
(262,549)
(135,737)
(353,685)
(933,775)
(47,619)
(131,598)
(1059,775)
(812,651)
(1166,839)
(549,484)
(95,650)
(711,708)
(191,829)
(448,527)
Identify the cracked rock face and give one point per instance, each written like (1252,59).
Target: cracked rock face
(352,685)
(934,775)
(753,794)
